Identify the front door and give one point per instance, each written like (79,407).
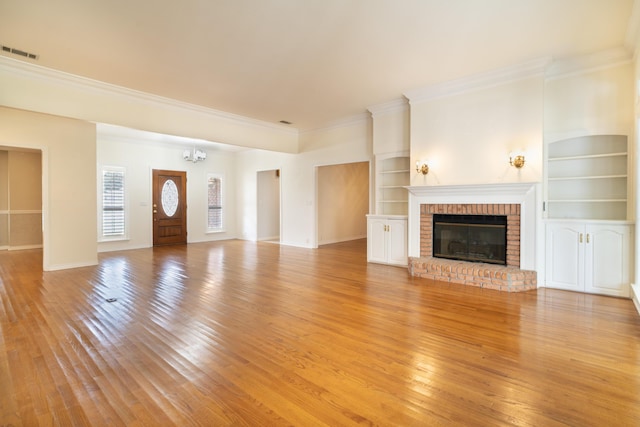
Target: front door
(169,207)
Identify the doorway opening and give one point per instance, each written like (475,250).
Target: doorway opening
(343,202)
(20,198)
(268,215)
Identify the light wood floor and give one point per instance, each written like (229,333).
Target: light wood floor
(241,333)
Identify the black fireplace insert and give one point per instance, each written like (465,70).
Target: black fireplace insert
(476,238)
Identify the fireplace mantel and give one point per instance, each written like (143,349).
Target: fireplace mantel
(473,193)
(524,194)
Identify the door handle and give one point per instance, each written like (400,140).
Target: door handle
(587,237)
(580,237)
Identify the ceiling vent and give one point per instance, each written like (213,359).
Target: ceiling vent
(18,52)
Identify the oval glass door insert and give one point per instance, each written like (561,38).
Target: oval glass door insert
(169,198)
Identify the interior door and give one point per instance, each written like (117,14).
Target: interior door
(169,207)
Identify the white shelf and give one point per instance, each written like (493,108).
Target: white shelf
(571,178)
(587,156)
(587,200)
(586,178)
(392,178)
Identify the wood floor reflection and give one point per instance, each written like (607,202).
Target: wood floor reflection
(243,333)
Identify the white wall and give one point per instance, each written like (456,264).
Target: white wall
(593,102)
(391,127)
(139,157)
(467,137)
(68,182)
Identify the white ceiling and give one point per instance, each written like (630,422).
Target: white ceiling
(310,62)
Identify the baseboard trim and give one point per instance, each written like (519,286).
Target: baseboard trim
(635,296)
(55,267)
(24,247)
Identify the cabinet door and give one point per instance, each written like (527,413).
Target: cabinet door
(565,256)
(397,241)
(376,240)
(607,260)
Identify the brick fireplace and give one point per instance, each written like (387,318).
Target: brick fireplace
(515,201)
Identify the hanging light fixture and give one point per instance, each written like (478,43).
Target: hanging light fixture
(194,155)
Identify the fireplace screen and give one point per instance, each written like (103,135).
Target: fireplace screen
(477,238)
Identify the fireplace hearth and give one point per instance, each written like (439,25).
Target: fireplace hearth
(475,238)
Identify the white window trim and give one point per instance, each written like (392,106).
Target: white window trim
(222,228)
(125,235)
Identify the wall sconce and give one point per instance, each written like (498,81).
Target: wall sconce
(195,155)
(516,160)
(422,167)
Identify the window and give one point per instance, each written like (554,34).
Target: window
(214,203)
(113,202)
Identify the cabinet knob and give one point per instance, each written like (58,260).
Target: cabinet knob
(587,237)
(580,237)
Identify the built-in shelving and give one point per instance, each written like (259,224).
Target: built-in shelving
(587,178)
(392,178)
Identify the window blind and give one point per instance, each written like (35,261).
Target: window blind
(214,196)
(112,203)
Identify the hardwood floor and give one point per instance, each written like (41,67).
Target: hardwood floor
(242,333)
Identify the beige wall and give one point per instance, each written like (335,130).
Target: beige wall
(25,180)
(343,202)
(68,182)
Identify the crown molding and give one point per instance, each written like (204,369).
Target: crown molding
(479,81)
(400,104)
(51,76)
(585,63)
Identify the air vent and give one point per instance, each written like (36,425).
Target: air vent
(285,122)
(18,52)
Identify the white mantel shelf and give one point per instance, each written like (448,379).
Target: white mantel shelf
(506,192)
(523,193)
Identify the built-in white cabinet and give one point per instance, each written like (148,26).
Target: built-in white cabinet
(593,257)
(392,178)
(387,239)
